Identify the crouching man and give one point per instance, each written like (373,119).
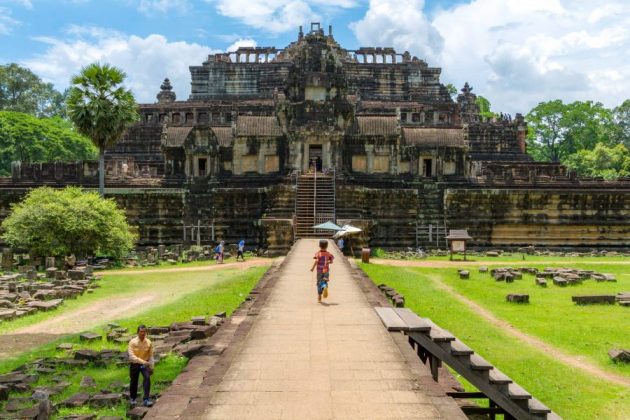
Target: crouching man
(140,362)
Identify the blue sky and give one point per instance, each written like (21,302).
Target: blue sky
(516,53)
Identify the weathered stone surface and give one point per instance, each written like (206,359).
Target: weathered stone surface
(65,346)
(620,355)
(518,298)
(103,400)
(45,305)
(137,413)
(593,299)
(4,392)
(77,400)
(87,382)
(85,354)
(90,336)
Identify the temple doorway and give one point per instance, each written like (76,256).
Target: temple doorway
(315,157)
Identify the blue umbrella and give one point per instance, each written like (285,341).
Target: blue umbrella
(327,226)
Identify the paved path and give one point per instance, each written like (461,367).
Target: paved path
(304,360)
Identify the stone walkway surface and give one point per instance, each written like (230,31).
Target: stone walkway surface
(334,360)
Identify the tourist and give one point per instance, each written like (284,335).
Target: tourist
(219,252)
(241,250)
(141,361)
(323,259)
(340,244)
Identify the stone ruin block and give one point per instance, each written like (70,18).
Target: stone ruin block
(620,355)
(559,281)
(51,272)
(518,298)
(483,269)
(7,259)
(61,275)
(50,262)
(76,274)
(594,299)
(541,282)
(90,336)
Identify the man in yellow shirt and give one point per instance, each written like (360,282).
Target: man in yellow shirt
(140,362)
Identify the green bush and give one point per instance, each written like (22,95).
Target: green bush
(51,222)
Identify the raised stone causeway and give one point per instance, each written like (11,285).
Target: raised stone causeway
(290,357)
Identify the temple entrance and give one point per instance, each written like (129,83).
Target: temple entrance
(315,157)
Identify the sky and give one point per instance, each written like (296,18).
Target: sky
(516,53)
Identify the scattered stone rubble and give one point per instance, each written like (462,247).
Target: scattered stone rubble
(26,291)
(183,338)
(620,355)
(396,298)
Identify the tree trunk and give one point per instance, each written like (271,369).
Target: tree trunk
(101,172)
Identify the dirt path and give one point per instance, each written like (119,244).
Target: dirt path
(448,264)
(254,262)
(556,353)
(100,311)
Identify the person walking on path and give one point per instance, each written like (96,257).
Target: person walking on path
(219,251)
(323,259)
(241,250)
(141,361)
(340,244)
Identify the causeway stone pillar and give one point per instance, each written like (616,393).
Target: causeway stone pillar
(369,152)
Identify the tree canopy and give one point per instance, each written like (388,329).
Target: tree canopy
(484,108)
(602,161)
(23,91)
(101,108)
(51,222)
(29,139)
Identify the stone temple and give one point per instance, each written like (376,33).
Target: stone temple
(272,141)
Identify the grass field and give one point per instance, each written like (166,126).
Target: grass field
(584,331)
(215,292)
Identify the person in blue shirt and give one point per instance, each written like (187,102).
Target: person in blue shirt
(241,250)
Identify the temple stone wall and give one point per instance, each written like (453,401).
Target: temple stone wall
(514,217)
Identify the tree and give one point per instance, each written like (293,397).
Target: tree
(101,108)
(557,130)
(452,90)
(607,162)
(23,91)
(621,117)
(51,222)
(26,138)
(484,108)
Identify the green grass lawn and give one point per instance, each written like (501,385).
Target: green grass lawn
(518,258)
(168,286)
(588,331)
(223,291)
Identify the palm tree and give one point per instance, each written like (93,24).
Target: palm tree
(101,109)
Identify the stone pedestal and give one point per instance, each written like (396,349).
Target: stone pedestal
(7,259)
(279,235)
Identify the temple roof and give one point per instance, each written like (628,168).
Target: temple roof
(434,137)
(377,126)
(175,136)
(224,135)
(258,126)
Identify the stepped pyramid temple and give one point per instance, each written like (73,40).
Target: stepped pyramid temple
(272,141)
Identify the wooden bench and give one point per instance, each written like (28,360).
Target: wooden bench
(435,345)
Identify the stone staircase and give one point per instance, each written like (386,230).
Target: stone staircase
(314,204)
(430,223)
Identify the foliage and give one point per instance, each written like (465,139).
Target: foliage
(602,161)
(558,130)
(23,91)
(29,139)
(101,108)
(452,90)
(484,108)
(51,222)
(621,116)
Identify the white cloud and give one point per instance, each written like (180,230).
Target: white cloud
(247,42)
(7,23)
(24,3)
(151,7)
(278,16)
(516,53)
(399,23)
(147,61)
